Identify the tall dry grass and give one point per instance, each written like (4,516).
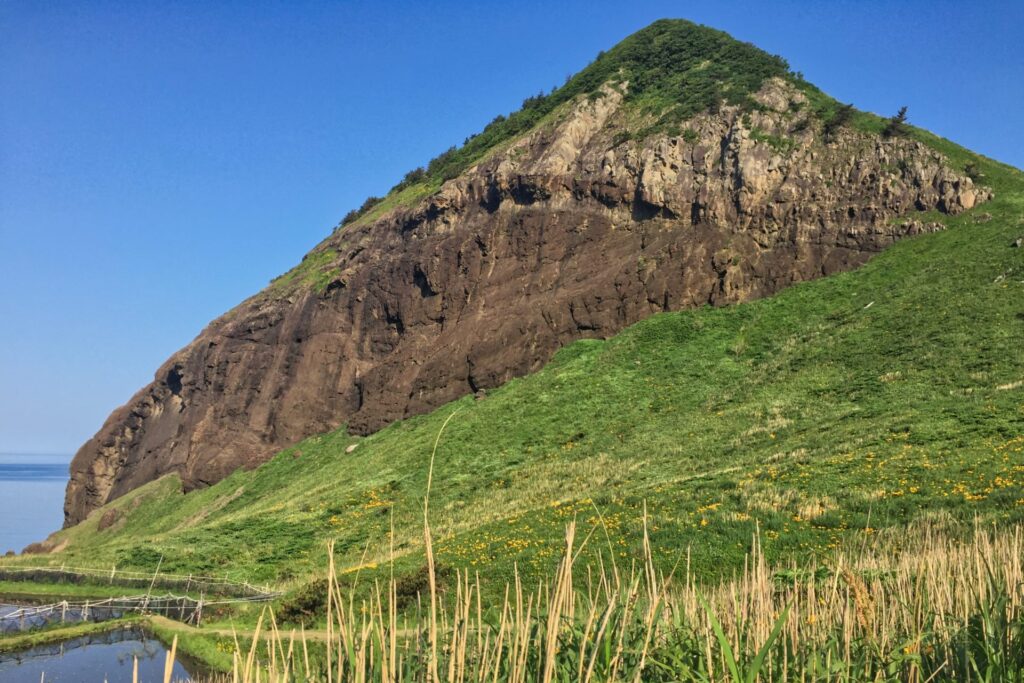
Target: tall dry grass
(930,605)
(933,603)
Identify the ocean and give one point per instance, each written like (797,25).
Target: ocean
(32,497)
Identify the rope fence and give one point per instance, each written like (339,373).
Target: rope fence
(184,608)
(15,618)
(113,576)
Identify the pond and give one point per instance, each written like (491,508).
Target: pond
(99,657)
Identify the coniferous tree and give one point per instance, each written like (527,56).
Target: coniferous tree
(897,124)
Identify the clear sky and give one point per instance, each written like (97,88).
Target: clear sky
(159,162)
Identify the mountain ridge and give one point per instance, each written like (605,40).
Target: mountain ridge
(841,408)
(370,327)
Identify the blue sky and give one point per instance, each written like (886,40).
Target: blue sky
(159,162)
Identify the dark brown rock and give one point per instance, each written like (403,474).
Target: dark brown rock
(38,548)
(562,235)
(108,519)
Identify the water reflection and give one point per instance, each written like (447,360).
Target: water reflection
(100,657)
(14,618)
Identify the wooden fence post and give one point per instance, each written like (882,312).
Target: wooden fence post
(153,582)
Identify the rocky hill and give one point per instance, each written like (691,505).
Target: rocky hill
(680,169)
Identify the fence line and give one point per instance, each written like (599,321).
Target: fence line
(124,572)
(180,607)
(208,584)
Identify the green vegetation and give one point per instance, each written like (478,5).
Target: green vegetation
(352,215)
(315,271)
(837,119)
(897,124)
(669,71)
(909,608)
(835,115)
(214,651)
(775,433)
(674,69)
(851,404)
(37,592)
(777,142)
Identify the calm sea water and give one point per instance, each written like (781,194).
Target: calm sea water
(32,496)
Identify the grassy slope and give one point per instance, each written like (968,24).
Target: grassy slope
(855,402)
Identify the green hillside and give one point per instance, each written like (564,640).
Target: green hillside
(844,406)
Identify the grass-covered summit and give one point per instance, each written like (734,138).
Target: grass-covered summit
(672,69)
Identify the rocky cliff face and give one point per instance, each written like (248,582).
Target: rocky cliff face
(567,232)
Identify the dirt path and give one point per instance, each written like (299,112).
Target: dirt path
(178,627)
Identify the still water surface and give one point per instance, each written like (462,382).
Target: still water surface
(103,657)
(32,491)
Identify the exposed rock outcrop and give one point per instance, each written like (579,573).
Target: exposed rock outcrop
(568,232)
